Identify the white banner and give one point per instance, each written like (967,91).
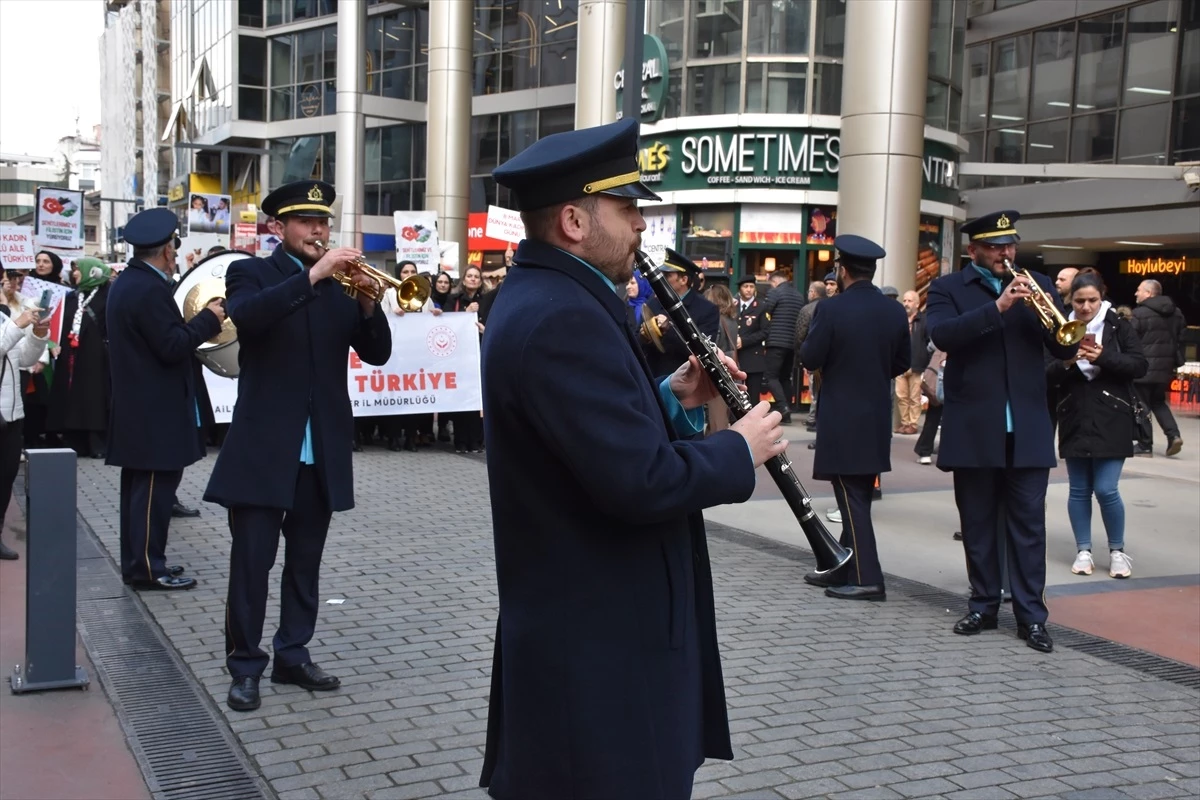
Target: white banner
(17,250)
(434,368)
(37,290)
(59,219)
(417,239)
(504,224)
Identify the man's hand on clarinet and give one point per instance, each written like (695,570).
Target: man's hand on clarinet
(762,428)
(692,386)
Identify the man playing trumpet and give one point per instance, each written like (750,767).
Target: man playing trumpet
(286,462)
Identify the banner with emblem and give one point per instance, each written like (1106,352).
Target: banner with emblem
(434,368)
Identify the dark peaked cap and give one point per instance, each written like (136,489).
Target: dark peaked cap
(999,227)
(152,227)
(575,164)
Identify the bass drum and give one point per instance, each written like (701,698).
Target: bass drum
(201,285)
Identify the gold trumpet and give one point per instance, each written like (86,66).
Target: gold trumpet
(1067,332)
(411,293)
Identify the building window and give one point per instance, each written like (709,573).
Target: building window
(1118,87)
(89,233)
(524,44)
(301,158)
(398,54)
(827,89)
(776,88)
(394,169)
(943,91)
(715,89)
(303,74)
(281,12)
(780,27)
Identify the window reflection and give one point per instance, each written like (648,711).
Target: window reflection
(715,90)
(1143,134)
(1099,72)
(1047,142)
(1010,80)
(977,88)
(830,37)
(827,89)
(1093,137)
(1053,69)
(1151,51)
(779,27)
(940,23)
(1186,134)
(776,88)
(717,29)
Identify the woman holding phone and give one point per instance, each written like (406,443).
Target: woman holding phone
(1095,410)
(22,342)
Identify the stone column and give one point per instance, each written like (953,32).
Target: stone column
(883,130)
(599,50)
(448,124)
(351,78)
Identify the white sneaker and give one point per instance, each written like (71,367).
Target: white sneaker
(1120,565)
(834,515)
(924,460)
(1083,564)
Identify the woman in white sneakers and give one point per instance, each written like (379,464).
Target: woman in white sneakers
(1095,411)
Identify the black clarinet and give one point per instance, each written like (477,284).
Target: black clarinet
(829,552)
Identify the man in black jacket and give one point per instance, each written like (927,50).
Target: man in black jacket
(151,352)
(1159,324)
(782,312)
(286,463)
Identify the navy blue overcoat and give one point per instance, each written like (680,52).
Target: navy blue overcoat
(990,358)
(703,312)
(152,423)
(859,340)
(606,681)
(294,340)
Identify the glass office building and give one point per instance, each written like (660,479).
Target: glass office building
(1120,86)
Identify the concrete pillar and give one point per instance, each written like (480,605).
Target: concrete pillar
(600,48)
(349,144)
(448,125)
(883,130)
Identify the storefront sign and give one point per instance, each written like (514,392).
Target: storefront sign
(765,158)
(310,101)
(654,80)
(477,238)
(1176,265)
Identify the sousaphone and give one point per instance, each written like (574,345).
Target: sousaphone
(202,284)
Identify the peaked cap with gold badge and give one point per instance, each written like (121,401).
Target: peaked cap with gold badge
(302,199)
(999,227)
(576,164)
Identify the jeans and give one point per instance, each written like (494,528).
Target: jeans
(1097,476)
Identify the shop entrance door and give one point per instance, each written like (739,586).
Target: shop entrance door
(764,263)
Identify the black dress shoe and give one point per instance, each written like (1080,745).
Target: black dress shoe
(973,623)
(165,583)
(1036,636)
(180,510)
(173,572)
(874,593)
(823,579)
(306,676)
(812,445)
(410,447)
(243,694)
(7,553)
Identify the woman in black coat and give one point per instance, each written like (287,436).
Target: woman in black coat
(468,425)
(1096,426)
(80,394)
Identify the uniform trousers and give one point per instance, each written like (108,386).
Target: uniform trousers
(1019,494)
(146,500)
(854,494)
(255,531)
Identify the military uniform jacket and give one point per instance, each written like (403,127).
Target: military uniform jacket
(859,340)
(606,681)
(753,355)
(703,312)
(151,350)
(294,340)
(991,358)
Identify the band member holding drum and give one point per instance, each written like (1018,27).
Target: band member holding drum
(606,680)
(285,466)
(153,428)
(996,435)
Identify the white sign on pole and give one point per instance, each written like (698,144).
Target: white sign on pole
(417,239)
(504,224)
(17,249)
(434,368)
(58,222)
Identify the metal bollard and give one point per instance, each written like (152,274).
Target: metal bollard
(50,487)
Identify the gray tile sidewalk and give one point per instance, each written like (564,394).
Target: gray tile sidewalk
(826,699)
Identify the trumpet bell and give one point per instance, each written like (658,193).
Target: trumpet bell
(1071,332)
(413,292)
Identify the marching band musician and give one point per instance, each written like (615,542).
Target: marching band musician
(684,276)
(155,419)
(859,341)
(285,466)
(996,434)
(606,680)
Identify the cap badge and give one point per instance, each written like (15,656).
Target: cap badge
(314,194)
(1000,223)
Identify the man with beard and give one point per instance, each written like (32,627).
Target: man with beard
(286,466)
(996,435)
(606,680)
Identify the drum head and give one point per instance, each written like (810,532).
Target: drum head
(204,283)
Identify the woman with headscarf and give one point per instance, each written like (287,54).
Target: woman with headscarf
(80,394)
(637,292)
(439,295)
(48,266)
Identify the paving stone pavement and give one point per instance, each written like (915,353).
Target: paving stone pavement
(826,698)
